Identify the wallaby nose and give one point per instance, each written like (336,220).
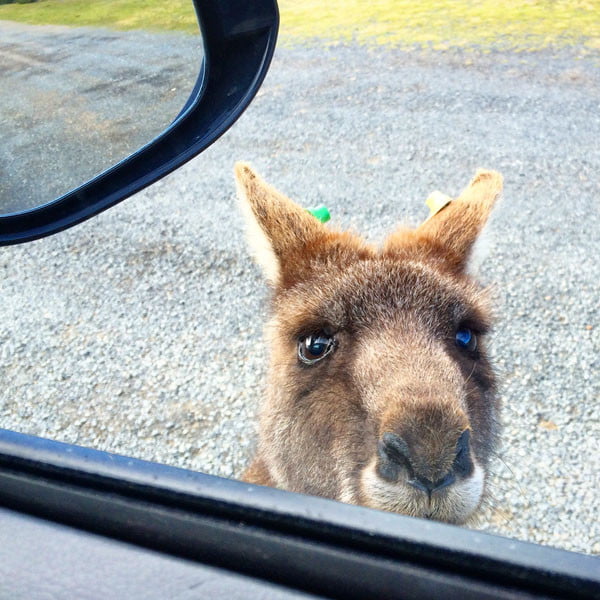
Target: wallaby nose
(396,456)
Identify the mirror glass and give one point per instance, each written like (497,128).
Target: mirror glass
(76,100)
(141,331)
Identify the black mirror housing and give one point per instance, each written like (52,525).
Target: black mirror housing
(239,40)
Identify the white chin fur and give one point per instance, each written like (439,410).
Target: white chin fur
(454,504)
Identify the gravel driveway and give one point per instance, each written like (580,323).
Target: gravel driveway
(139,332)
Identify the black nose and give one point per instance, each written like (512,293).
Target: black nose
(395,457)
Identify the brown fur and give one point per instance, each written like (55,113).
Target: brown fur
(396,369)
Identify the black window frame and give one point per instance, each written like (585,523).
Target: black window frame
(305,543)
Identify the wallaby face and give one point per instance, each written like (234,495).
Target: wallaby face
(379,392)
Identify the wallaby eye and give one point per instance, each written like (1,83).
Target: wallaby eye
(465,338)
(313,348)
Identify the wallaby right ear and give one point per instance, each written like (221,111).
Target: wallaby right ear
(452,232)
(459,225)
(282,235)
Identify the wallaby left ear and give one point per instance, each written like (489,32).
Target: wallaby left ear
(455,229)
(282,235)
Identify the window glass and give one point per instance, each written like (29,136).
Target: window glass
(141,331)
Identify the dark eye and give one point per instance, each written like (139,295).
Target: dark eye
(313,348)
(465,338)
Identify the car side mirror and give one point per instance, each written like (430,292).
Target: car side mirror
(239,39)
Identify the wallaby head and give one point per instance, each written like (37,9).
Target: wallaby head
(379,391)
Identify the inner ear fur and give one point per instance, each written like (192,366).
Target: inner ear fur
(449,236)
(285,238)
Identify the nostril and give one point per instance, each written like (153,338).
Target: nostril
(394,456)
(395,449)
(463,465)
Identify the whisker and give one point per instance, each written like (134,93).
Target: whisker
(514,477)
(470,374)
(493,486)
(487,504)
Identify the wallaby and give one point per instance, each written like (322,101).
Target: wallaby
(379,390)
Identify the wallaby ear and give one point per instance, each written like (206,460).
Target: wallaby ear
(454,232)
(459,225)
(281,234)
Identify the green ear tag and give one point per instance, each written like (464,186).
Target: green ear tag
(320,212)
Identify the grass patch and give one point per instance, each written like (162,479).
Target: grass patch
(512,24)
(150,15)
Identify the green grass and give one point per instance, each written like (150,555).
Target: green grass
(520,25)
(153,15)
(441,24)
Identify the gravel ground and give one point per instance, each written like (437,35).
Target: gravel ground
(139,332)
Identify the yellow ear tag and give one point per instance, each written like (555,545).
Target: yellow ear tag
(436,202)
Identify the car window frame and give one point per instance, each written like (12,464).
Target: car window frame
(301,542)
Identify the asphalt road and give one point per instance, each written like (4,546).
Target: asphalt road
(73,102)
(140,332)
